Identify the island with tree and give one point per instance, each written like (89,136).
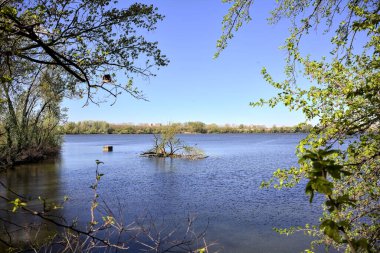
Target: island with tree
(169,145)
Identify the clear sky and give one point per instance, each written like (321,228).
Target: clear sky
(196,87)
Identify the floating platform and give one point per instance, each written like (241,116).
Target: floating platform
(107,148)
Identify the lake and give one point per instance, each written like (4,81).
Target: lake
(221,191)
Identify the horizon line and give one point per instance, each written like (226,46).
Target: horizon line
(190,121)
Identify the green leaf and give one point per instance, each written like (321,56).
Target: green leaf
(17,203)
(330,205)
(331,229)
(327,152)
(346,173)
(334,173)
(323,186)
(361,244)
(317,165)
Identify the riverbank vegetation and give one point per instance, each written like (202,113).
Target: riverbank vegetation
(30,113)
(55,49)
(340,157)
(102,127)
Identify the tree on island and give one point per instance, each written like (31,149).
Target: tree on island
(167,144)
(91,45)
(344,98)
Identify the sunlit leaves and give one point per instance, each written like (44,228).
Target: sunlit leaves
(17,203)
(331,229)
(237,15)
(340,156)
(85,39)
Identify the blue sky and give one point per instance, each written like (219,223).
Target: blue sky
(196,87)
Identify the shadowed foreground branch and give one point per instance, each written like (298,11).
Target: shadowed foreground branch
(105,231)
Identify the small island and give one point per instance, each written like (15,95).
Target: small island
(168,145)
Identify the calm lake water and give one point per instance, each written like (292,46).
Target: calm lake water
(221,190)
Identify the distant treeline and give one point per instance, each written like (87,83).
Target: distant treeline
(102,127)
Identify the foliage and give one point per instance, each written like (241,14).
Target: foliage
(168,145)
(87,40)
(340,157)
(55,49)
(102,127)
(30,112)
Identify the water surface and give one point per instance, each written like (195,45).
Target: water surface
(221,190)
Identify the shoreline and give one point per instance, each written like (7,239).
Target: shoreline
(186,133)
(196,127)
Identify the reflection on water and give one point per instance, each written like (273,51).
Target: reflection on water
(39,179)
(163,164)
(30,182)
(221,190)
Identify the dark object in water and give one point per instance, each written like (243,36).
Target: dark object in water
(107,148)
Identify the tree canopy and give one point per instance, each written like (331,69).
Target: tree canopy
(340,157)
(55,49)
(87,39)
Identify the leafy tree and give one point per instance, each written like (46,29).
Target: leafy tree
(53,49)
(340,156)
(169,145)
(70,128)
(91,41)
(197,127)
(30,112)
